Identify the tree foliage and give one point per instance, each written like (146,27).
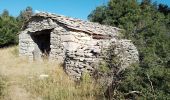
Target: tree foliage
(8,29)
(10,26)
(147,24)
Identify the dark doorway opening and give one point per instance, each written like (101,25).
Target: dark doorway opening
(42,48)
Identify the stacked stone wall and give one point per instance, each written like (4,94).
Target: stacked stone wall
(76,43)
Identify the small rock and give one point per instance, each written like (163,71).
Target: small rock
(43,76)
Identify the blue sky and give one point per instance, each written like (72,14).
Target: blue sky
(73,8)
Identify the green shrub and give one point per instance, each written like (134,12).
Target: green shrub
(147,25)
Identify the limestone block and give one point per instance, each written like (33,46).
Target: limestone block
(81,54)
(68,38)
(70,46)
(96,49)
(89,59)
(88,54)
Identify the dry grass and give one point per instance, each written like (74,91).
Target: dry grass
(41,80)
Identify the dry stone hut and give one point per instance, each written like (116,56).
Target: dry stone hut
(76,43)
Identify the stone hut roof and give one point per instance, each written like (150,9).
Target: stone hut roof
(94,29)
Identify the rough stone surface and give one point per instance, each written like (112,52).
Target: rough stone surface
(76,43)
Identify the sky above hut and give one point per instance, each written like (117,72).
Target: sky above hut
(73,8)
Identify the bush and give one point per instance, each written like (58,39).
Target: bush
(147,25)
